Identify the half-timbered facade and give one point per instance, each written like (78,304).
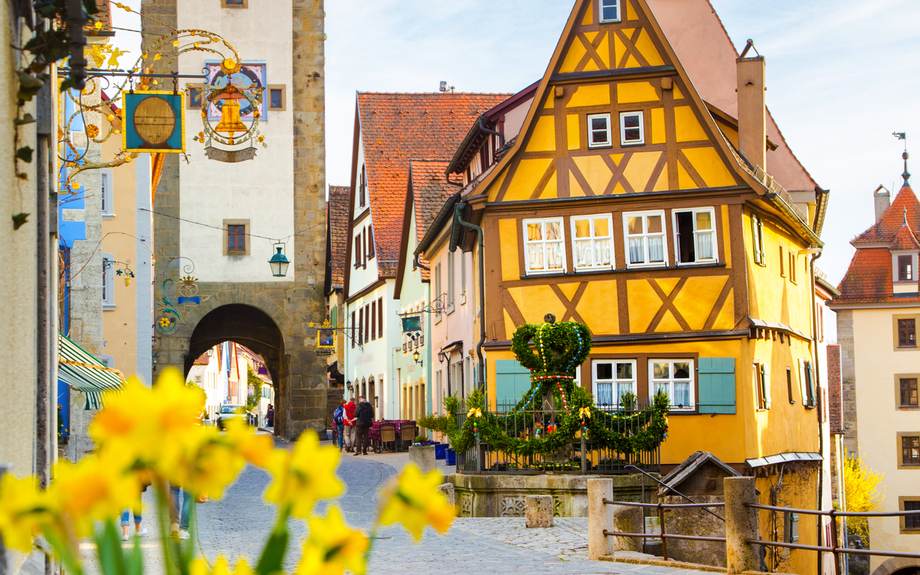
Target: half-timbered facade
(629,203)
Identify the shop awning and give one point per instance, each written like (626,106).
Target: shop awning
(83,372)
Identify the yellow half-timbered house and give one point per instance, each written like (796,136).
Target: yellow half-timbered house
(630,204)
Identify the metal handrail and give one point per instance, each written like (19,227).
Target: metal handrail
(834,550)
(833,512)
(672,489)
(665,536)
(664,505)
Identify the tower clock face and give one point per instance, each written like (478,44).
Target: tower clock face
(248,77)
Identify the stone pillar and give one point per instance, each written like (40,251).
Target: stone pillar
(741,524)
(628,519)
(448,490)
(423,457)
(600,517)
(538,511)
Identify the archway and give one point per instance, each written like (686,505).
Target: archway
(898,566)
(252,328)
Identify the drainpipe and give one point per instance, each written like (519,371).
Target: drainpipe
(817,384)
(418,264)
(448,180)
(501,137)
(482,291)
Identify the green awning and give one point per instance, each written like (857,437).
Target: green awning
(84,373)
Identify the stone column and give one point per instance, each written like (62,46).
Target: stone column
(538,511)
(628,519)
(741,524)
(600,517)
(423,457)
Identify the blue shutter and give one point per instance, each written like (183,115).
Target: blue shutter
(512,381)
(717,385)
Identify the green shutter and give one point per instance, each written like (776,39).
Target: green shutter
(717,385)
(512,381)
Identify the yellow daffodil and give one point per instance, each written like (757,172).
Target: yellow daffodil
(148,425)
(96,488)
(203,462)
(200,567)
(255,448)
(22,509)
(475,412)
(333,547)
(414,501)
(584,412)
(304,476)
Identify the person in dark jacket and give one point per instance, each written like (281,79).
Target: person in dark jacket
(364,414)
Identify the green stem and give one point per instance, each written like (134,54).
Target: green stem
(163,524)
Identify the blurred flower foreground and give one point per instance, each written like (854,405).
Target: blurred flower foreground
(163,444)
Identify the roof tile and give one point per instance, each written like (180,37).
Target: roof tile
(338,231)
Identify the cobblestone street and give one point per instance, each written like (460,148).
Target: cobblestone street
(239,523)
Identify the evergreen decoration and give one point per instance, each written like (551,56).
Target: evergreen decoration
(552,352)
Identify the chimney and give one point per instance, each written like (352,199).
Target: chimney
(882,201)
(752,112)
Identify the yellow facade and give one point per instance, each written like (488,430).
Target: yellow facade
(744,291)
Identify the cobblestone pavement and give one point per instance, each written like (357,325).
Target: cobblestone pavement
(239,523)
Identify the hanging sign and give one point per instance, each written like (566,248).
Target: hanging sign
(154,122)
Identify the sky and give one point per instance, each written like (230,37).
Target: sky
(842,75)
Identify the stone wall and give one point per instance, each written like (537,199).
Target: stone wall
(496,495)
(845,338)
(695,521)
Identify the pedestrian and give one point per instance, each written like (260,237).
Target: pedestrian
(270,416)
(338,418)
(126,516)
(350,426)
(180,511)
(364,414)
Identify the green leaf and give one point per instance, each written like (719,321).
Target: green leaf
(27,119)
(25,154)
(108,546)
(19,220)
(273,554)
(135,564)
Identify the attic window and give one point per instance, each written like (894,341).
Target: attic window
(609,11)
(905,268)
(599,131)
(631,130)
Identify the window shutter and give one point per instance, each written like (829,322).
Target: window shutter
(717,385)
(811,384)
(803,385)
(767,402)
(512,381)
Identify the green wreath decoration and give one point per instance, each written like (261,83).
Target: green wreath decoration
(551,352)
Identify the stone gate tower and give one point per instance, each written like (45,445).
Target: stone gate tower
(216,223)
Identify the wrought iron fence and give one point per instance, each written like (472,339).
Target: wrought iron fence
(580,456)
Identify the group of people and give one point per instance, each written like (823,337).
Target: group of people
(353,422)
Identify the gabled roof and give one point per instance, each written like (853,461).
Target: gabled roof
(868,279)
(428,191)
(337,234)
(904,239)
(693,463)
(884,231)
(397,128)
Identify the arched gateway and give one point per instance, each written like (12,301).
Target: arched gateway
(220,213)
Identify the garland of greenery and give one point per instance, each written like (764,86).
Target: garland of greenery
(558,350)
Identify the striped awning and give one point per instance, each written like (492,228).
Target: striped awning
(84,373)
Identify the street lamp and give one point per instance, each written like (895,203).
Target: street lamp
(279,262)
(415,356)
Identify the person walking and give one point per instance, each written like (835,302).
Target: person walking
(270,416)
(338,418)
(180,511)
(350,424)
(364,414)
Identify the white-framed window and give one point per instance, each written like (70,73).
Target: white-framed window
(593,242)
(675,378)
(695,236)
(599,131)
(437,292)
(544,246)
(612,379)
(632,131)
(108,281)
(645,239)
(609,10)
(108,200)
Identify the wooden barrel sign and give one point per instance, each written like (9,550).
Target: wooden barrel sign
(154,121)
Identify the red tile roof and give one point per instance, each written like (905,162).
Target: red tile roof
(337,211)
(397,128)
(868,279)
(430,190)
(883,231)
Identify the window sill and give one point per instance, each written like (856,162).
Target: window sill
(108,307)
(906,348)
(236,254)
(108,216)
(631,144)
(697,264)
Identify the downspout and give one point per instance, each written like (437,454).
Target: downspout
(501,137)
(448,180)
(818,401)
(482,291)
(418,264)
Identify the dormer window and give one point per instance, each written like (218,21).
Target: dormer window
(609,11)
(905,268)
